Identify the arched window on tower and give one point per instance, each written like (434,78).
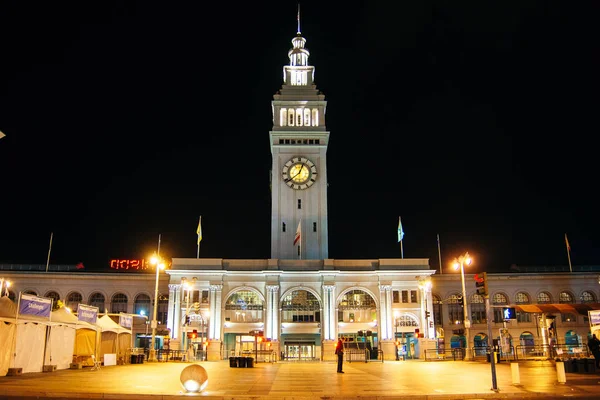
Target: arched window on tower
(283,117)
(306,117)
(315,117)
(290,116)
(299,117)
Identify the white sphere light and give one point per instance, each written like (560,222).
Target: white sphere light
(194,378)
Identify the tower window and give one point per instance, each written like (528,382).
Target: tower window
(299,120)
(315,117)
(290,116)
(306,117)
(299,204)
(283,226)
(283,117)
(314,226)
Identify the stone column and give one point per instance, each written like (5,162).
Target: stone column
(272,313)
(213,349)
(172,314)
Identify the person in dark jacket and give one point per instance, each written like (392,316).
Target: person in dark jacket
(339,350)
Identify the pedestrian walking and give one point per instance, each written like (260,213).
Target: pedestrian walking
(339,351)
(594,346)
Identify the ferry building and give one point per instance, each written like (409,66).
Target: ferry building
(297,303)
(300,300)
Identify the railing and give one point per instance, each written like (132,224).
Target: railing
(454,354)
(361,355)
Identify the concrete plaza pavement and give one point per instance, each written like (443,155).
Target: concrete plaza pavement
(306,380)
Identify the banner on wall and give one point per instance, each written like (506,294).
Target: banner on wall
(125,321)
(33,305)
(87,313)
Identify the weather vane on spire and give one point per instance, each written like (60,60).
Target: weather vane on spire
(298,18)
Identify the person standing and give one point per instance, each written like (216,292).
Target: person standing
(339,351)
(594,346)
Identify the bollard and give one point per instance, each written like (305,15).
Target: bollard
(514,370)
(560,372)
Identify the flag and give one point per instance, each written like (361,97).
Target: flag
(199,230)
(400,231)
(298,233)
(80,266)
(567,243)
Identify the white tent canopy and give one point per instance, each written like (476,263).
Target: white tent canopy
(115,339)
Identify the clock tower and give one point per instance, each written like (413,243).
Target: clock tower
(299,172)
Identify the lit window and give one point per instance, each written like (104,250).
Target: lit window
(291,117)
(315,117)
(283,117)
(306,117)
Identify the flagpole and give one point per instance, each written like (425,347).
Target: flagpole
(439,253)
(300,241)
(401,250)
(49,250)
(568,253)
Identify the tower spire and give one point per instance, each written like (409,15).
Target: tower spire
(298,18)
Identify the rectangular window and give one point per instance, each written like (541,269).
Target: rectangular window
(314,226)
(413,296)
(299,204)
(205,297)
(396,296)
(405,296)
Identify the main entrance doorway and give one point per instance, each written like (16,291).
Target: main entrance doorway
(299,351)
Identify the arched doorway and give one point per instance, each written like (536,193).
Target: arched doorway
(480,343)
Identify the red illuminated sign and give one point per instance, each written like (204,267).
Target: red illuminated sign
(136,265)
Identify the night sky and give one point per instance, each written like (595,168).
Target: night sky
(126,120)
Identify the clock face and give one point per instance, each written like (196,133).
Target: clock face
(299,173)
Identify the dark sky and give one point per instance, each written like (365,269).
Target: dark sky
(476,121)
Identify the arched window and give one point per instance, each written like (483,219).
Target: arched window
(437,310)
(97,300)
(55,297)
(118,304)
(522,298)
(498,300)
(291,117)
(163,309)
(357,306)
(244,306)
(478,309)
(315,117)
(142,304)
(544,298)
(588,297)
(527,339)
(300,306)
(480,342)
(567,298)
(406,320)
(299,116)
(455,309)
(73,300)
(283,117)
(32,292)
(307,117)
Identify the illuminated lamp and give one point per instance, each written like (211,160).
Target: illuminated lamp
(194,378)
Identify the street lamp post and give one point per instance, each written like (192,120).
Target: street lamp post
(158,262)
(460,263)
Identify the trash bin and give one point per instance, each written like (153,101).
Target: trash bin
(249,362)
(242,362)
(134,359)
(233,362)
(140,358)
